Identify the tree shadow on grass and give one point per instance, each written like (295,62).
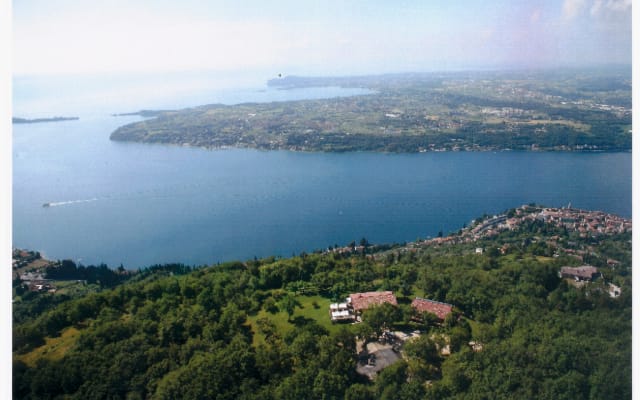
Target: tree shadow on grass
(301,321)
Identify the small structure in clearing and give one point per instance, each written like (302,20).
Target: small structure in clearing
(582,273)
(341,312)
(441,310)
(614,290)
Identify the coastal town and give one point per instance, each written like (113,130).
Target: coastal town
(30,268)
(375,356)
(582,222)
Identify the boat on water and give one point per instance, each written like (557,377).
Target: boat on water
(46,205)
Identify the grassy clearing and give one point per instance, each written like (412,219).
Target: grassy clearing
(53,349)
(278,319)
(314,308)
(317,309)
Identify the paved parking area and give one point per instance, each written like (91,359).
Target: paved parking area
(375,358)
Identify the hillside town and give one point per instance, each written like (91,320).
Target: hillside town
(583,222)
(29,268)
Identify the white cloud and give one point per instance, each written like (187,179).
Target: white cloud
(129,37)
(571,8)
(610,6)
(619,5)
(94,42)
(535,15)
(597,6)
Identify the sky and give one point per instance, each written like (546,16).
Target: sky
(326,37)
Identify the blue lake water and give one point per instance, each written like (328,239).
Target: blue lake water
(140,204)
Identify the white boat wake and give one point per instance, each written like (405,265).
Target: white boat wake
(64,203)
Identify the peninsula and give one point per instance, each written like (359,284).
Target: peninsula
(141,113)
(16,120)
(562,110)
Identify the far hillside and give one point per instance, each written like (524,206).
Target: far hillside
(550,110)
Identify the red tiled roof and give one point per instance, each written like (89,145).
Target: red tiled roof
(362,301)
(441,310)
(585,271)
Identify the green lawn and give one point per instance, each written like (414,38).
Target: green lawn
(306,310)
(53,349)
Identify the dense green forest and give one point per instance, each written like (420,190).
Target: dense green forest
(582,110)
(260,329)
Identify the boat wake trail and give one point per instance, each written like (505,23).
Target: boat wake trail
(64,203)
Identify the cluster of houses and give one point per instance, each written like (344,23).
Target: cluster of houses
(585,274)
(351,309)
(36,282)
(21,258)
(28,266)
(375,356)
(586,223)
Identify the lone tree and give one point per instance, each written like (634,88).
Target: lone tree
(288,304)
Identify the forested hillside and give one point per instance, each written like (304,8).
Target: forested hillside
(261,329)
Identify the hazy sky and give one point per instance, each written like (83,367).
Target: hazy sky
(316,37)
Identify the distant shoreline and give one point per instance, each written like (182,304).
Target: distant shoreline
(142,113)
(412,113)
(16,120)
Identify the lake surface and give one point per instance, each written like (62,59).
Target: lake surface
(140,204)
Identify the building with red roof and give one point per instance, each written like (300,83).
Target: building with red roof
(362,301)
(582,273)
(441,310)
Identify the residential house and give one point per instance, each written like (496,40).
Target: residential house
(441,310)
(351,309)
(362,301)
(582,273)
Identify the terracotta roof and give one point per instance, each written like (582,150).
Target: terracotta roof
(362,301)
(585,271)
(441,310)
